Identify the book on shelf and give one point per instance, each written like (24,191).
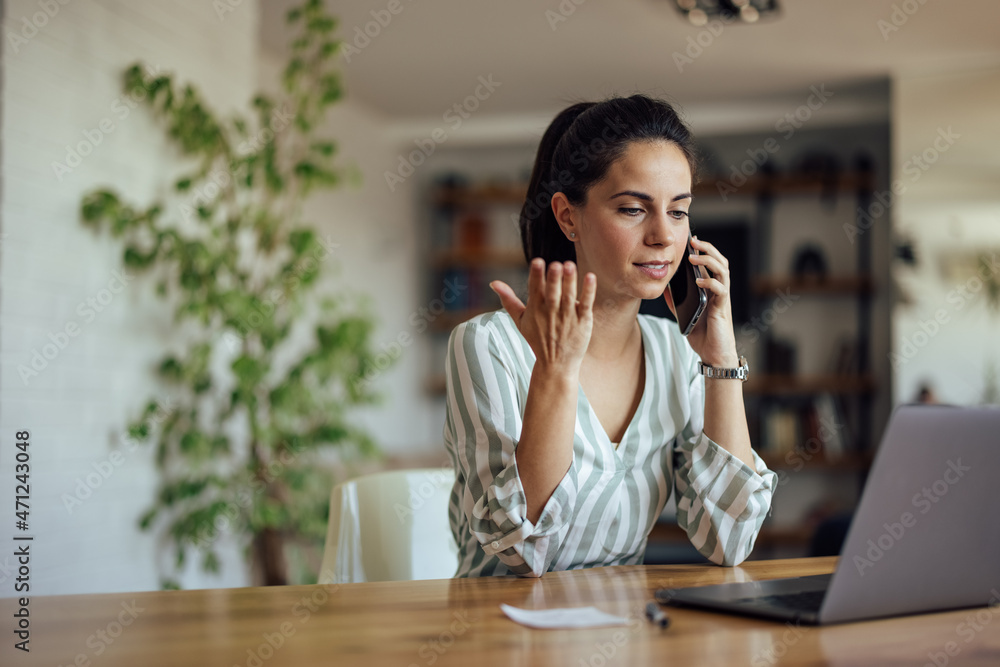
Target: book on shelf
(442,228)
(811,429)
(468,288)
(471,230)
(781,431)
(456,281)
(844,360)
(829,426)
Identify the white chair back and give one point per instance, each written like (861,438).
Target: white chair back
(390,526)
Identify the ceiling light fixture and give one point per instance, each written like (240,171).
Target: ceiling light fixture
(700,12)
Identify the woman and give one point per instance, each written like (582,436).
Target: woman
(570,418)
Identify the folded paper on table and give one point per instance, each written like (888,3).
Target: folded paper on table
(567,617)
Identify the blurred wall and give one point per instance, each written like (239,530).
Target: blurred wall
(78,338)
(946,164)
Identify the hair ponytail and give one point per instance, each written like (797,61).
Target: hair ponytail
(540,233)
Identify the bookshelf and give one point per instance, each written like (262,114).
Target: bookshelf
(473,239)
(790,412)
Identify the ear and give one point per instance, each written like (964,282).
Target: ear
(565,214)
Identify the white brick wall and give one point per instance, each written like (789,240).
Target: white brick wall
(58,84)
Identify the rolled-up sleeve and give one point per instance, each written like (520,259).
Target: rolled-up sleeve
(482,427)
(721,501)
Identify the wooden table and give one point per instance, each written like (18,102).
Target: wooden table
(445,622)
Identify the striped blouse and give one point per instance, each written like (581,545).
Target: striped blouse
(604,507)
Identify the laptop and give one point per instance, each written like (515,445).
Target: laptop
(925,536)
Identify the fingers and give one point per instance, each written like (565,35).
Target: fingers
(508,299)
(710,253)
(568,303)
(536,280)
(553,285)
(555,324)
(713,286)
(586,301)
(556,286)
(715,263)
(717,272)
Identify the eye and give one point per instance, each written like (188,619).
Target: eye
(679,215)
(626,211)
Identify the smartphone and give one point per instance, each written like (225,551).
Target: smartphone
(689,297)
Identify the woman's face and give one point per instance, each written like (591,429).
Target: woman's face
(638,214)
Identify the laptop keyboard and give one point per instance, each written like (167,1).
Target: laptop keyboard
(806,601)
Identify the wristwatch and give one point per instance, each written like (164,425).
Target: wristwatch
(740,373)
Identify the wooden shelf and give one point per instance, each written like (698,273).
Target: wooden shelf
(805,385)
(849,462)
(828,286)
(476,257)
(449,319)
(784,184)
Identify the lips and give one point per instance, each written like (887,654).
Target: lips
(656,271)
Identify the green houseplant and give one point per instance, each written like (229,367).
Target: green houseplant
(991,373)
(238,452)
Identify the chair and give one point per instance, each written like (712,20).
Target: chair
(390,526)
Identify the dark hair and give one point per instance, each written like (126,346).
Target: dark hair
(576,151)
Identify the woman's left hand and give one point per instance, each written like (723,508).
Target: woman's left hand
(713,337)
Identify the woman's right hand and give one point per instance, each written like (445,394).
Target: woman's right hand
(556,326)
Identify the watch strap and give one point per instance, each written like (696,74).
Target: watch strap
(742,372)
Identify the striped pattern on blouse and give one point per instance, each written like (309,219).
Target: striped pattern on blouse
(606,504)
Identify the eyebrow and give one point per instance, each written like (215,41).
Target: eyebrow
(643,196)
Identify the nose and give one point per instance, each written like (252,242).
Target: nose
(662,230)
